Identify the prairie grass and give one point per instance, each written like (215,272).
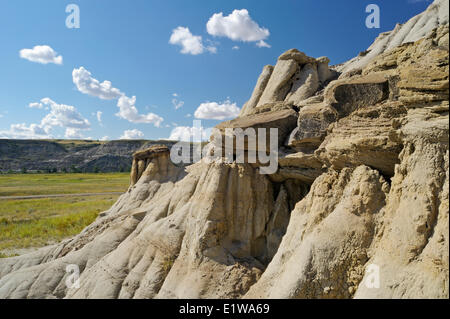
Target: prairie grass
(45,184)
(39,222)
(33,223)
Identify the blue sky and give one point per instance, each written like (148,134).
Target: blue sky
(132,44)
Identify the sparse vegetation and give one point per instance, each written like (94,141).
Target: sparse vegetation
(27,223)
(168,263)
(38,222)
(43,184)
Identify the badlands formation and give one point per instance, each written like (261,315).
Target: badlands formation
(362,184)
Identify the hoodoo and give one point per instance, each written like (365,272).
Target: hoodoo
(362,184)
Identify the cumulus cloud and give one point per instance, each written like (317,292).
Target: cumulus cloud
(186,133)
(190,44)
(36,105)
(104,138)
(129,112)
(73,134)
(262,44)
(22,131)
(132,135)
(60,115)
(235,47)
(43,54)
(104,90)
(237,26)
(86,84)
(217,111)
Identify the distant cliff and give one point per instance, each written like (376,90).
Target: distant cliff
(70,155)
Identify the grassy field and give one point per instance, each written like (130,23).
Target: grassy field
(30,223)
(45,184)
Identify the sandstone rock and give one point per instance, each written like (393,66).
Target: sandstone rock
(305,84)
(294,54)
(299,159)
(324,72)
(304,175)
(368,190)
(420,69)
(328,238)
(411,31)
(317,98)
(258,90)
(278,85)
(270,107)
(142,159)
(313,121)
(413,252)
(299,166)
(347,95)
(220,223)
(284,121)
(364,138)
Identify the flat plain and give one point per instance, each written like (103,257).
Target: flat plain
(26,224)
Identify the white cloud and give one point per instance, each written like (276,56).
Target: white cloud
(186,133)
(22,131)
(36,105)
(73,134)
(237,26)
(262,44)
(216,111)
(60,115)
(129,112)
(235,47)
(104,138)
(41,54)
(127,109)
(132,135)
(86,84)
(190,44)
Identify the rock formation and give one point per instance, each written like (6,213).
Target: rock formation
(65,155)
(361,190)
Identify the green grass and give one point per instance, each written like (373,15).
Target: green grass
(32,223)
(39,222)
(45,184)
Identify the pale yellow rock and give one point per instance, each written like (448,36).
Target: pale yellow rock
(328,237)
(278,86)
(371,190)
(305,84)
(413,251)
(258,90)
